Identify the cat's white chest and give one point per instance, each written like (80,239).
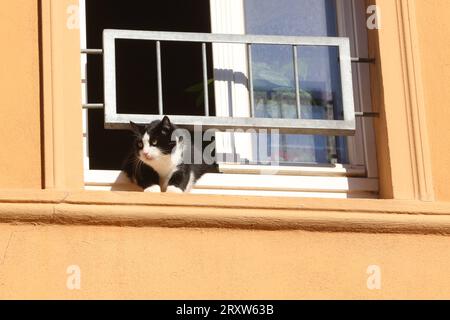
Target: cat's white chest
(166,165)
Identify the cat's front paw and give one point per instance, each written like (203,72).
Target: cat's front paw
(173,189)
(154,188)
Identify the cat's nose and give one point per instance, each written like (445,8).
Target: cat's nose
(147,155)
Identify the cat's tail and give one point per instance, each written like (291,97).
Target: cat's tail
(201,169)
(213,168)
(209,168)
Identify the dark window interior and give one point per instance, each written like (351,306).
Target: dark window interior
(136,68)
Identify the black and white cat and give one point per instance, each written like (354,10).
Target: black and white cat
(156,160)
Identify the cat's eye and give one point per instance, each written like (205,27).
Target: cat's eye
(140,145)
(154,142)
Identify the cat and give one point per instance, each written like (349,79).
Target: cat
(155,162)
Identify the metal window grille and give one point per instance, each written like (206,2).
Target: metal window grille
(115,120)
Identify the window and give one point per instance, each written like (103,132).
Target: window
(311,165)
(321,94)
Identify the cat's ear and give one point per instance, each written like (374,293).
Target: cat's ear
(137,129)
(166,122)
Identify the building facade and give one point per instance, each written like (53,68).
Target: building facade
(223,246)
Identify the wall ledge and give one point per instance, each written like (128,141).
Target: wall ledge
(236,212)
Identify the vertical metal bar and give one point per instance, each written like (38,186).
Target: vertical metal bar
(250,80)
(158,68)
(297,85)
(205,79)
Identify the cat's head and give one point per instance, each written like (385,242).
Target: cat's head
(154,140)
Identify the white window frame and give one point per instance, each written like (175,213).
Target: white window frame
(358,179)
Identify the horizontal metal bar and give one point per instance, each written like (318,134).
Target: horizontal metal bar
(367,114)
(92,51)
(223,38)
(93,106)
(363,60)
(292,126)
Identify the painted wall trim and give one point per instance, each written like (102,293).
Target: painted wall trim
(397,92)
(419,142)
(62,114)
(235,212)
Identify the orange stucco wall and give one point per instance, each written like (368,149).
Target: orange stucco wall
(20,154)
(434,35)
(163,263)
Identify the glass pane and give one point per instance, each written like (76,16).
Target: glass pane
(182,78)
(320,83)
(273,82)
(319,74)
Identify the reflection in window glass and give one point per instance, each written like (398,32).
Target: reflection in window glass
(319,74)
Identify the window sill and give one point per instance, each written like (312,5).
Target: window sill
(336,182)
(236,212)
